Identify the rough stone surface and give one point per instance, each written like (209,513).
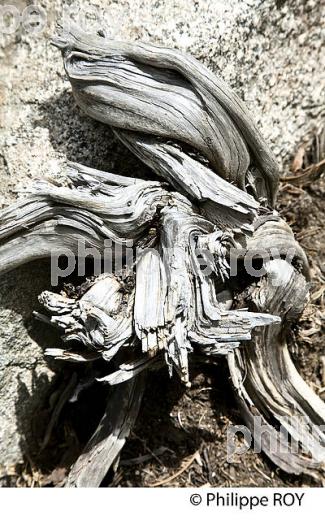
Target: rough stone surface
(269,52)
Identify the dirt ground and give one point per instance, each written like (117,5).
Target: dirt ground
(180,437)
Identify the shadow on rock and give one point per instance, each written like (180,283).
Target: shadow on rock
(81,139)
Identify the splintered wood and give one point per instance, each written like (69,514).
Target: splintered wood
(214,197)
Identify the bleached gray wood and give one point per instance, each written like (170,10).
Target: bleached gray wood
(218,186)
(269,387)
(101,319)
(163,92)
(105,445)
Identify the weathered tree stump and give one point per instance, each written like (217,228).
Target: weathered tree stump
(214,202)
